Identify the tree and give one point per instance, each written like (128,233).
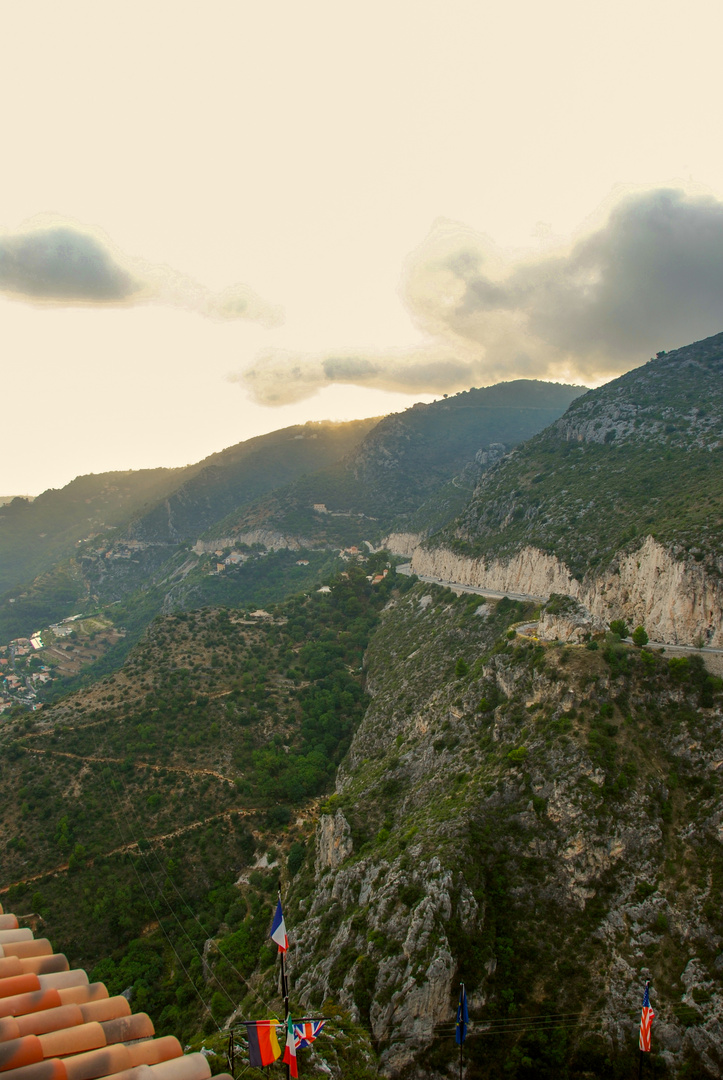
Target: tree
(619,627)
(640,637)
(461,668)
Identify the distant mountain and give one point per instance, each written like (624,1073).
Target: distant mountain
(36,533)
(625,490)
(125,539)
(57,552)
(235,477)
(404,463)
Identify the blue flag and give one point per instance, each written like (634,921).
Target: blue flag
(278,929)
(462,1017)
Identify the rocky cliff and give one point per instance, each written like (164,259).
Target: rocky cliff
(618,503)
(677,600)
(541,821)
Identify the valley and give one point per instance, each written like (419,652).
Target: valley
(451,678)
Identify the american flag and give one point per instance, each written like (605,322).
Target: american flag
(646,1020)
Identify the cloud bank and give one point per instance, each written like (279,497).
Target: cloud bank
(63,264)
(650,278)
(278,377)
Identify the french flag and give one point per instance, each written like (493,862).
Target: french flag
(278,929)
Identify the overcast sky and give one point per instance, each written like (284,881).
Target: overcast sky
(219,219)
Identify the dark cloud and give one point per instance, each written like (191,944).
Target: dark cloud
(651,277)
(63,264)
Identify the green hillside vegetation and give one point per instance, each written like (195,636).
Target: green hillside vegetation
(265,579)
(244,473)
(36,535)
(641,456)
(403,461)
(53,550)
(129,807)
(585,503)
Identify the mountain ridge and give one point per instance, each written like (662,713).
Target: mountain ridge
(625,485)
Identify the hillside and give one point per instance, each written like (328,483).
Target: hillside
(540,821)
(130,544)
(241,474)
(620,502)
(35,534)
(413,470)
(310,490)
(174,791)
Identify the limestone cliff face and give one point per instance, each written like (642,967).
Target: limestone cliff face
(546,827)
(402,543)
(530,571)
(678,602)
(272,539)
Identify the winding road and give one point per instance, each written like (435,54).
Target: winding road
(682,650)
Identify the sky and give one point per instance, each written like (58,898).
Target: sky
(220,219)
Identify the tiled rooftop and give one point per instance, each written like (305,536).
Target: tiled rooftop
(56,1025)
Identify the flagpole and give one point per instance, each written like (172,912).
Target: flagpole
(285,993)
(461,1041)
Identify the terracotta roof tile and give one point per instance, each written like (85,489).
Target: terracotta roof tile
(56,1025)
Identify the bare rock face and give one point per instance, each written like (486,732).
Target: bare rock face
(530,571)
(570,626)
(402,543)
(333,841)
(412,977)
(677,601)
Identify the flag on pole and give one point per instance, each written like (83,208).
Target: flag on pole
(646,1020)
(264,1047)
(462,1017)
(290,1049)
(278,929)
(306,1032)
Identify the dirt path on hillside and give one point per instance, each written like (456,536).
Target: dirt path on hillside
(134,844)
(136,764)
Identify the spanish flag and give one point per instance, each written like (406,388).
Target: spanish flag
(264,1047)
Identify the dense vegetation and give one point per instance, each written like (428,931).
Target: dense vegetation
(37,534)
(404,462)
(135,804)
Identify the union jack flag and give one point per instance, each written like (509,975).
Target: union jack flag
(306,1032)
(646,1020)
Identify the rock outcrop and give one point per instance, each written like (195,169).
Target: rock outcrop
(402,543)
